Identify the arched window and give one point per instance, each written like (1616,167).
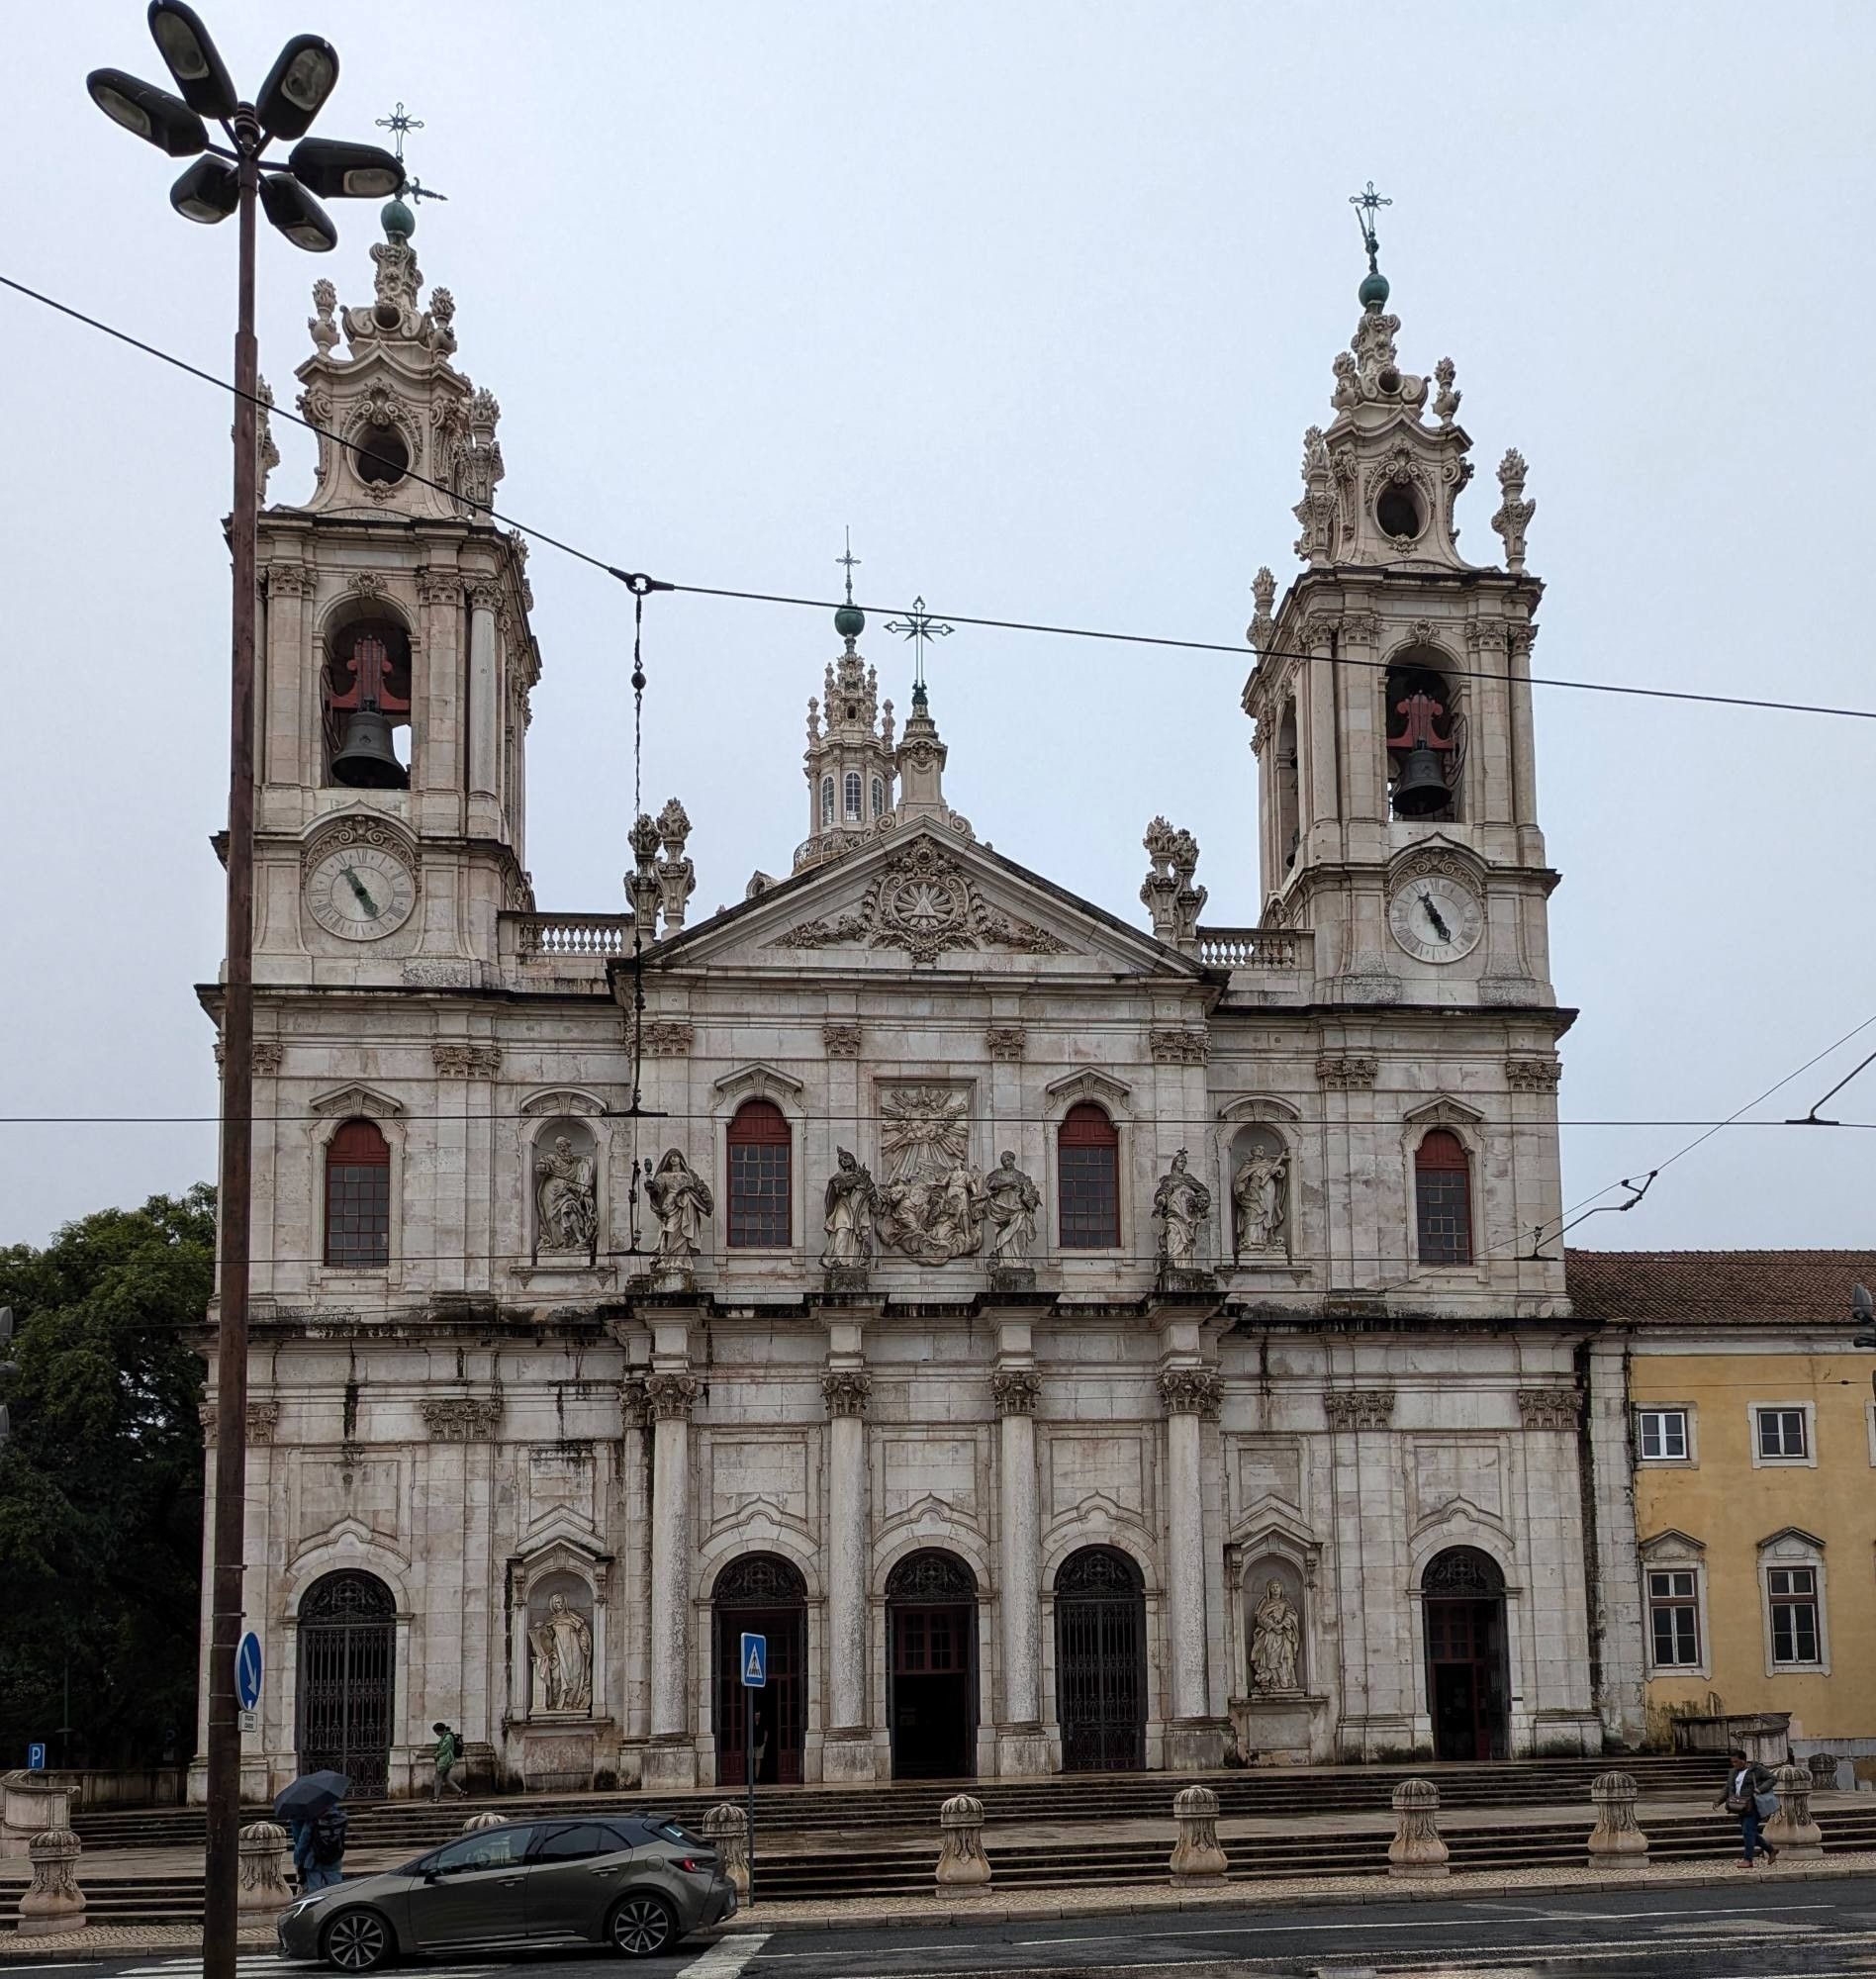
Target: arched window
(853,788)
(1425,737)
(878,796)
(358,1198)
(1087,1180)
(827,801)
(759,1185)
(1443,1198)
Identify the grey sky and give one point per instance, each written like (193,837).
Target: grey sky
(1040,299)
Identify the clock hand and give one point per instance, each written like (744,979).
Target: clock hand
(1432,915)
(364,898)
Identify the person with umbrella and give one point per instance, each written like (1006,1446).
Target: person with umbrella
(317,1822)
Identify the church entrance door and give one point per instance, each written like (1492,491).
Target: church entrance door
(764,1595)
(1101,1663)
(931,1668)
(347,1636)
(1466,1688)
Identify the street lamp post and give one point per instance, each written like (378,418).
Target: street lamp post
(230,179)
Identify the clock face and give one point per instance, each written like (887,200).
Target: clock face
(1435,919)
(360,892)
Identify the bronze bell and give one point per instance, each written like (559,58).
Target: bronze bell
(1422,788)
(365,759)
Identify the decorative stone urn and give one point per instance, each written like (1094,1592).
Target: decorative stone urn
(1617,1840)
(486,1819)
(264,1850)
(1791,1831)
(726,1828)
(962,1862)
(55,1903)
(31,1803)
(1197,1858)
(1416,1850)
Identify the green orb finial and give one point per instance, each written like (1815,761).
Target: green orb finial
(849,622)
(1373,290)
(398,222)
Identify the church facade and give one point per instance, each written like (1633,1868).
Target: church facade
(1071,1340)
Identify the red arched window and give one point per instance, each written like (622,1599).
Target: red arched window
(759,1191)
(1087,1180)
(358,1197)
(1443,1193)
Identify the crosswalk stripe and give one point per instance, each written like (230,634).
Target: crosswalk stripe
(727,1957)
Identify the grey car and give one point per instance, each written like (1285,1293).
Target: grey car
(637,1883)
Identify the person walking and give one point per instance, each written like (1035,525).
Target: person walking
(448,1758)
(318,1849)
(1748,1795)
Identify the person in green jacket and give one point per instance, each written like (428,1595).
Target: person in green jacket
(448,1758)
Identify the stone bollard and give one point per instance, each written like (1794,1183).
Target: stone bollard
(486,1819)
(1416,1850)
(1617,1840)
(1791,1831)
(264,1850)
(727,1830)
(1197,1858)
(54,1902)
(962,1862)
(1823,1768)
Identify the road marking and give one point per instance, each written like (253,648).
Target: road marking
(727,1957)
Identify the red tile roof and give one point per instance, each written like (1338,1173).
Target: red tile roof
(1717,1287)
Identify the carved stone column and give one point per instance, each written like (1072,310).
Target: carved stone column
(1020,1746)
(670,1758)
(847,1750)
(1191,1396)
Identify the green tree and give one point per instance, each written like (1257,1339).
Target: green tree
(101,1483)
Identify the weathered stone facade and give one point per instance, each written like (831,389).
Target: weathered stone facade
(1003,1501)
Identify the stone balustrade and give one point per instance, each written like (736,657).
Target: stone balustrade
(1255,948)
(962,1862)
(1416,1850)
(537,937)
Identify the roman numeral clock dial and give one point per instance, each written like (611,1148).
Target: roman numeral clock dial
(1436,918)
(360,892)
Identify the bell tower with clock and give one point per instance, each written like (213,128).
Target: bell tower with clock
(394,659)
(1392,701)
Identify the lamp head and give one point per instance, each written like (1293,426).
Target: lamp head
(147,112)
(297,214)
(190,57)
(296,86)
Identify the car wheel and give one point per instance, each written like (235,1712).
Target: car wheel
(643,1927)
(356,1942)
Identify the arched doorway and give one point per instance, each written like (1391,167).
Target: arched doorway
(1467,1687)
(347,1640)
(1100,1631)
(760,1594)
(931,1668)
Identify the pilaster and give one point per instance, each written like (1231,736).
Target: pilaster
(848,1752)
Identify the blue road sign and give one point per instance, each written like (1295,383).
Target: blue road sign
(36,1758)
(248,1670)
(755,1662)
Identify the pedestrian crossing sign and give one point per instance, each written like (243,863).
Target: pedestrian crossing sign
(755,1663)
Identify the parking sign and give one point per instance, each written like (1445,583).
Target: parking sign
(36,1758)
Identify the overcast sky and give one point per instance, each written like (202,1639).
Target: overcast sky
(1039,299)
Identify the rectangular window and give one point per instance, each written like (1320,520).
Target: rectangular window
(1090,1198)
(1794,1598)
(759,1195)
(1781,1433)
(1446,1216)
(358,1215)
(1674,1617)
(1664,1435)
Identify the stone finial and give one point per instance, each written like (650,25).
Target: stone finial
(642,884)
(1316,512)
(478,457)
(264,1849)
(266,453)
(322,322)
(1167,892)
(676,877)
(1262,630)
(488,1818)
(962,1862)
(726,1828)
(55,1903)
(1416,1850)
(1791,1831)
(1617,1840)
(1514,512)
(1445,404)
(1197,1858)
(814,719)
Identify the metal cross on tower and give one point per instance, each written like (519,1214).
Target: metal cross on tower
(1369,202)
(398,123)
(918,625)
(850,560)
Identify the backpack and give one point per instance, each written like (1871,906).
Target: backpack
(328,1838)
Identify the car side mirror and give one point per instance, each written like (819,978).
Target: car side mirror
(432,1875)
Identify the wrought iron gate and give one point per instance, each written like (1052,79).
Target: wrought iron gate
(765,1594)
(347,1637)
(1101,1663)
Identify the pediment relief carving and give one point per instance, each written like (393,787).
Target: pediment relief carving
(1435,855)
(1791,1543)
(553,1100)
(1258,1106)
(1671,1544)
(932,1513)
(561,1553)
(762,1517)
(1088,1084)
(1444,1112)
(357,1098)
(348,1536)
(758,1080)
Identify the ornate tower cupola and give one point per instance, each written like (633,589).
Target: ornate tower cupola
(849,759)
(1392,699)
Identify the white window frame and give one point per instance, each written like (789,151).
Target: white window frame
(1808,1410)
(1786,1549)
(1869,1418)
(878,796)
(1689,1459)
(829,797)
(1696,1663)
(1676,1552)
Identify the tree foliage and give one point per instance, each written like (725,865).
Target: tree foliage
(101,1484)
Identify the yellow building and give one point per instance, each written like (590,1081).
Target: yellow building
(1752,1450)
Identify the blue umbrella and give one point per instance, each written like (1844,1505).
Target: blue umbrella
(310,1795)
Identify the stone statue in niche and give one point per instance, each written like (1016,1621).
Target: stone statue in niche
(682,1202)
(1181,1202)
(849,1220)
(565,1192)
(1259,1201)
(560,1653)
(931,1205)
(1010,1201)
(1276,1640)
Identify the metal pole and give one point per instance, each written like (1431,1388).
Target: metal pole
(238,1105)
(749,1758)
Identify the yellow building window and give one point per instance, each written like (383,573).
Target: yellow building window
(1794,1598)
(1674,1617)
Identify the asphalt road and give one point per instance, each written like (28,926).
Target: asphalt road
(1751,1930)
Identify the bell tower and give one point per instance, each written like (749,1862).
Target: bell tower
(1392,697)
(395,658)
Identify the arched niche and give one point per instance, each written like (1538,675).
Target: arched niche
(564,1183)
(1424,723)
(1261,1191)
(562,1643)
(1275,1626)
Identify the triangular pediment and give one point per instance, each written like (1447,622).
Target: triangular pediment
(919,900)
